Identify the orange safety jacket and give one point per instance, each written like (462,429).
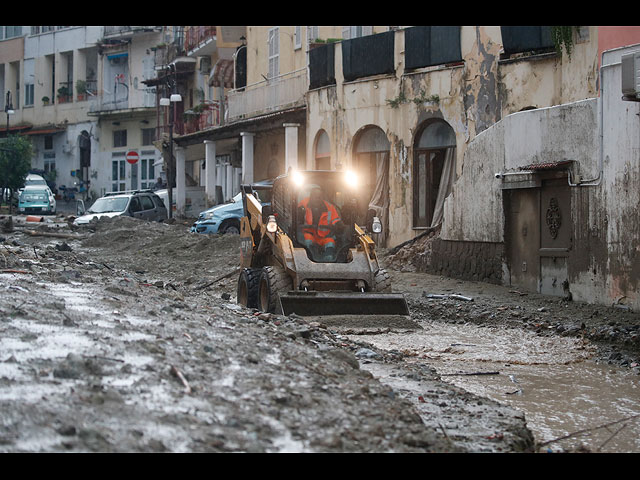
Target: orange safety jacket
(320,236)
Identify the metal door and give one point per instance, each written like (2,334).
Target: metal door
(522,237)
(555,237)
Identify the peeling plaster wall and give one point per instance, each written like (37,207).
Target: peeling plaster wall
(604,264)
(569,132)
(472,98)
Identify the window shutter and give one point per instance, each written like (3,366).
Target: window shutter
(274,50)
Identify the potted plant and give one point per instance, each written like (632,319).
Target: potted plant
(45,100)
(81,89)
(63,94)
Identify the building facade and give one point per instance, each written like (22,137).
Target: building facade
(77,92)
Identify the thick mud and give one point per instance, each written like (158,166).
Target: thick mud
(124,336)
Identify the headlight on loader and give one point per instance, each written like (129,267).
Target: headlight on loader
(351,178)
(376,225)
(272,225)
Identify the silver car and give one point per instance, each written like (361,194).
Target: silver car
(143,204)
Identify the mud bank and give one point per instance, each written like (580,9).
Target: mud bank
(124,336)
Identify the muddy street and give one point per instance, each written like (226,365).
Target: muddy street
(124,336)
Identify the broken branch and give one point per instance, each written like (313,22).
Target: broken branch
(587,430)
(178,373)
(206,285)
(469,373)
(35,233)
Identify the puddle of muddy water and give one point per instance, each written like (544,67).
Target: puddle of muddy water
(551,379)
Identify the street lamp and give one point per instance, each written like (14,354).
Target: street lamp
(8,108)
(165,102)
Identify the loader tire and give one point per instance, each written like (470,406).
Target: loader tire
(274,280)
(382,282)
(247,294)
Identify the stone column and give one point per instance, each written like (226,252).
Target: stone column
(290,146)
(210,170)
(181,182)
(229,176)
(247,157)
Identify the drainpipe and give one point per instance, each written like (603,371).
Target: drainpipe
(596,181)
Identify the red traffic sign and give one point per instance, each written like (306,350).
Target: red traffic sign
(132,157)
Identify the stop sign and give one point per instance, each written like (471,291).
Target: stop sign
(132,157)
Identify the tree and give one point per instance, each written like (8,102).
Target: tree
(15,162)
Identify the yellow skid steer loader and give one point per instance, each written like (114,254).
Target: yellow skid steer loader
(305,252)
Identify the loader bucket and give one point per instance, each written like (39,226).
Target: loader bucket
(343,303)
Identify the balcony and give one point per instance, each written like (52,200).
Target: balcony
(201,117)
(125,32)
(279,93)
(198,38)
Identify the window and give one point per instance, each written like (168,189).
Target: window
(297,44)
(312,35)
(29,80)
(323,152)
(119,138)
(49,164)
(368,55)
(135,205)
(432,45)
(147,204)
(147,173)
(117,175)
(148,136)
(48,142)
(355,32)
(432,172)
(519,39)
(274,52)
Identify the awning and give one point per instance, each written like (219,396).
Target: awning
(222,74)
(548,166)
(44,131)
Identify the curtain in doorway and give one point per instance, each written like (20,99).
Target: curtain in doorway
(446,182)
(380,198)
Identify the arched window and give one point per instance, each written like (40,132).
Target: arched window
(371,162)
(323,151)
(433,171)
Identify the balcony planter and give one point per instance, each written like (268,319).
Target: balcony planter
(81,90)
(63,95)
(45,100)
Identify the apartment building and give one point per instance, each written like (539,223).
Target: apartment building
(77,92)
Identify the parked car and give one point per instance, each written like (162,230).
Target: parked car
(225,218)
(143,204)
(33,179)
(36,199)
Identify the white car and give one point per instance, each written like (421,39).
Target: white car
(142,204)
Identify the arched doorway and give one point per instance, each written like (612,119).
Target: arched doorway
(322,152)
(433,172)
(371,163)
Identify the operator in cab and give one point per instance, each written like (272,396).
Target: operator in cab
(321,222)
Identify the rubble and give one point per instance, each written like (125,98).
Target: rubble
(130,340)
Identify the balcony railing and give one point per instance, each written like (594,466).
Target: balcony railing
(195,36)
(275,94)
(205,116)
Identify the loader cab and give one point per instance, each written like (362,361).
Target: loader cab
(317,210)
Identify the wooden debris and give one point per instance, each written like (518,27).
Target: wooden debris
(178,373)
